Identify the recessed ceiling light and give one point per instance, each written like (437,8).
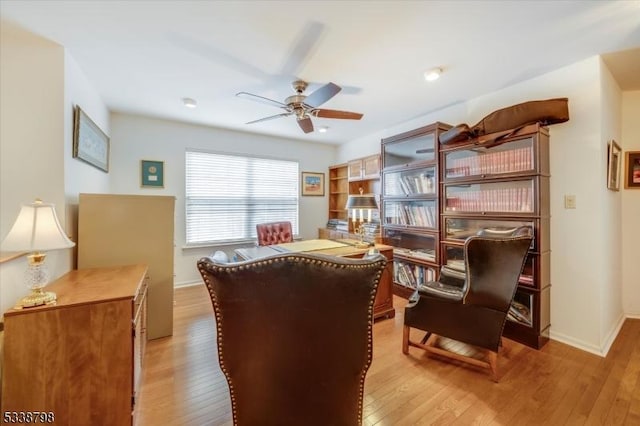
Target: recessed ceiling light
(432,74)
(189,103)
(323,129)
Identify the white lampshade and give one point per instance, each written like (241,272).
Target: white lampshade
(36,229)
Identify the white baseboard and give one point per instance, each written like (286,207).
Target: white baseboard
(590,347)
(187,284)
(576,343)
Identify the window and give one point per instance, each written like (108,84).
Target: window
(227,195)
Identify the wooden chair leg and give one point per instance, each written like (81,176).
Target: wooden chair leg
(493,365)
(405,339)
(426,337)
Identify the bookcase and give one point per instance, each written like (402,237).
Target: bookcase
(338,192)
(502,188)
(347,179)
(410,205)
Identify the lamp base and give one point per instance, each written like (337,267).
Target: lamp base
(362,244)
(37,298)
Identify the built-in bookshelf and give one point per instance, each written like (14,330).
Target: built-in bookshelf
(410,205)
(352,178)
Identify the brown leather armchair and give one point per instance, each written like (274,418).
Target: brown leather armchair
(470,307)
(274,233)
(294,335)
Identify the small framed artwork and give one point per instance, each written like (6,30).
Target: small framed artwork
(312,183)
(613,166)
(90,144)
(632,170)
(152,174)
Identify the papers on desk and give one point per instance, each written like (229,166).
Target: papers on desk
(307,245)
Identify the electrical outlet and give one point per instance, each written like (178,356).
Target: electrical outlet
(569,201)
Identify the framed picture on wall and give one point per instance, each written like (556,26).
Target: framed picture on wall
(90,144)
(152,174)
(312,183)
(632,170)
(613,166)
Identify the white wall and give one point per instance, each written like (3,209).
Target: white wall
(612,315)
(581,239)
(631,209)
(78,175)
(31,142)
(136,138)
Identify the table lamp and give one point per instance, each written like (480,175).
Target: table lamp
(36,230)
(361,203)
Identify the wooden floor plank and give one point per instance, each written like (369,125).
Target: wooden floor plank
(182,383)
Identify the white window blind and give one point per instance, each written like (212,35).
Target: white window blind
(227,195)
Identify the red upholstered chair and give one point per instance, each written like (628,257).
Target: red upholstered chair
(274,233)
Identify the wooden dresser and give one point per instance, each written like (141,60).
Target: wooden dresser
(80,358)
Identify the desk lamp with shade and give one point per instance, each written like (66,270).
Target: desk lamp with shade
(36,230)
(360,204)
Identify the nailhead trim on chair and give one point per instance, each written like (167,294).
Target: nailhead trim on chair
(282,258)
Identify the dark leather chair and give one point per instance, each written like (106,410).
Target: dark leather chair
(274,233)
(469,307)
(294,335)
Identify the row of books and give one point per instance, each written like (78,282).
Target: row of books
(411,275)
(422,183)
(513,160)
(495,200)
(411,214)
(426,254)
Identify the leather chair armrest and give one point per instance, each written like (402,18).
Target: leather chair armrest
(441,290)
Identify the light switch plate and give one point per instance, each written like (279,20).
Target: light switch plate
(569,201)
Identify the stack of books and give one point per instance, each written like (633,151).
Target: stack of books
(338,225)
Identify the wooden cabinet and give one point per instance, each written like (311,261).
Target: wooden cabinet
(364,168)
(410,205)
(80,358)
(126,229)
(503,189)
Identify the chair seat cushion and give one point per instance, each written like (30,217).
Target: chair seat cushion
(438,289)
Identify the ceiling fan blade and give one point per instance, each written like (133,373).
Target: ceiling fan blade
(332,113)
(302,49)
(305,124)
(262,99)
(285,114)
(322,95)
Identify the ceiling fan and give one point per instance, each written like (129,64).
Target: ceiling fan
(303,107)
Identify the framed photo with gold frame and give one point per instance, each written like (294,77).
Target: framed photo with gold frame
(613,166)
(151,174)
(632,170)
(313,184)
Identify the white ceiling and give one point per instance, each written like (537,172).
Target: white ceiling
(143,57)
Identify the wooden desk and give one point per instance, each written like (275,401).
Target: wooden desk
(383,305)
(79,359)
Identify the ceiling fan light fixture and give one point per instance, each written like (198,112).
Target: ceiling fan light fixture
(189,103)
(433,74)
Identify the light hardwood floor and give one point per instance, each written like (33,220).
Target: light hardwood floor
(183,385)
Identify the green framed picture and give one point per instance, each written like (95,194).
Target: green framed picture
(152,174)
